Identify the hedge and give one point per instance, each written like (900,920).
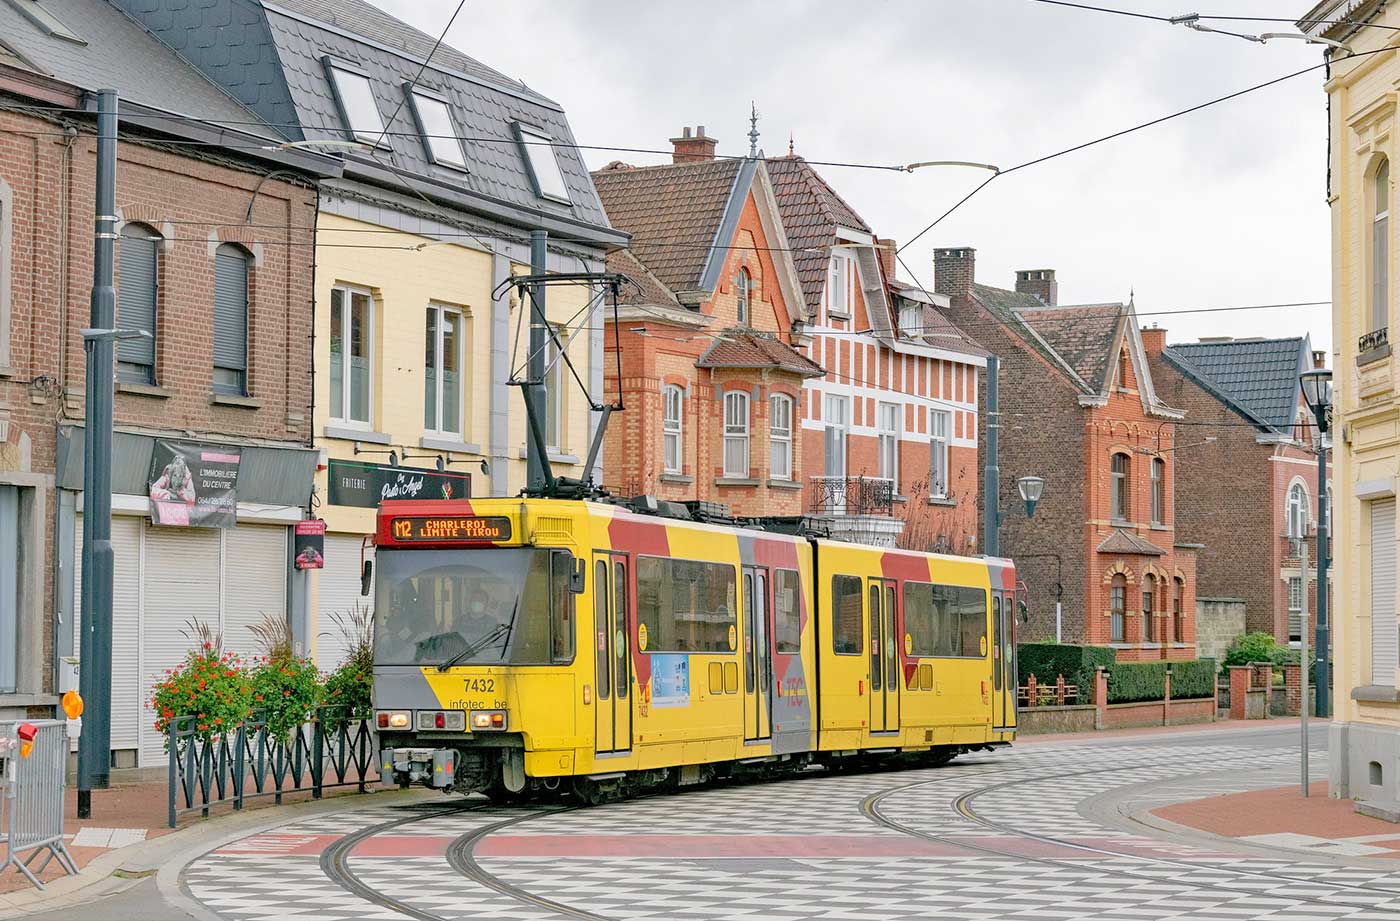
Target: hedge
(1193,678)
(1047,661)
(1129,682)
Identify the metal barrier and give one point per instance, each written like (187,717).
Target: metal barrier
(33,798)
(333,750)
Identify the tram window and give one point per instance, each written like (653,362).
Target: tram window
(686,605)
(847,634)
(623,667)
(562,607)
(787,612)
(973,608)
(600,627)
(751,612)
(945,621)
(875,670)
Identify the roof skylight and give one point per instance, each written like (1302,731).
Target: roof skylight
(543,160)
(440,135)
(356,100)
(35,12)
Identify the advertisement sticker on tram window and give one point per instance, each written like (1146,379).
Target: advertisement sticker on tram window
(193,485)
(451,528)
(642,637)
(733,638)
(670,680)
(309,544)
(908,644)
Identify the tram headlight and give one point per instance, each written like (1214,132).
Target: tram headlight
(393,719)
(488,720)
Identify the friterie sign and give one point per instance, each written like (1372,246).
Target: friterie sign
(451,528)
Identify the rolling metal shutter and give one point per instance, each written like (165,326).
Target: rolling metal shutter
(127,705)
(1385,644)
(338,591)
(255,583)
(230,308)
(136,295)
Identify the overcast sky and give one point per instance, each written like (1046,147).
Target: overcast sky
(1220,208)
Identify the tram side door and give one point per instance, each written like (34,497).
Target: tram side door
(884,657)
(613,662)
(758,656)
(1004,676)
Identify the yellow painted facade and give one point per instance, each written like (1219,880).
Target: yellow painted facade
(1361,88)
(403,281)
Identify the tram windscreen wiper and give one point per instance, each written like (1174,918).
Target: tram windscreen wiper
(501,630)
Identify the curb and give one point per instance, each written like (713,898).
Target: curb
(126,867)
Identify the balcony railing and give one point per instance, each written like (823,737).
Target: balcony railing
(1375,339)
(858,495)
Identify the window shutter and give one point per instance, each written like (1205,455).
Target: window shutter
(1385,647)
(136,297)
(230,308)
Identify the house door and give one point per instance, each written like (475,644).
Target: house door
(613,677)
(758,656)
(884,657)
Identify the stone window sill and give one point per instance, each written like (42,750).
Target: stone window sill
(1120,523)
(345,433)
(143,390)
(942,502)
(7,371)
(230,399)
(1158,527)
(1373,355)
(679,479)
(735,481)
(28,700)
(555,457)
(1376,694)
(448,443)
(784,484)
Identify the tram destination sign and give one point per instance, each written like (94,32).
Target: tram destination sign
(451,527)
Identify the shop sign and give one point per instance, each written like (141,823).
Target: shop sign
(194,485)
(309,544)
(367,485)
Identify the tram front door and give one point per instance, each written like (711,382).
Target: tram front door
(758,656)
(884,657)
(612,645)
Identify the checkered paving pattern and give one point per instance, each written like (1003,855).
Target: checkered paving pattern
(1044,793)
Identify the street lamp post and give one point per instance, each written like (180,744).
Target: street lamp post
(1317,391)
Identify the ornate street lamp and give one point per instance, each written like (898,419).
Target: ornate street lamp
(1030,488)
(1317,391)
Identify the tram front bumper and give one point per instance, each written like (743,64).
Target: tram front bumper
(432,767)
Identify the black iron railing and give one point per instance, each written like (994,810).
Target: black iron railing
(1373,340)
(332,750)
(857,495)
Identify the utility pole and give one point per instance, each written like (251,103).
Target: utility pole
(537,460)
(1324,683)
(95,650)
(991,485)
(1303,652)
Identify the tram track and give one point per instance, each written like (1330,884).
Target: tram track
(961,804)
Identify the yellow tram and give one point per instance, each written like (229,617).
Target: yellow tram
(596,648)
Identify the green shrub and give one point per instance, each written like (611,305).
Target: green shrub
(1251,648)
(1047,661)
(1129,682)
(1194,678)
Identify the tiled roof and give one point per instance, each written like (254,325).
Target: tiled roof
(1083,335)
(738,348)
(1121,541)
(1258,377)
(939,331)
(811,211)
(673,213)
(652,292)
(1006,306)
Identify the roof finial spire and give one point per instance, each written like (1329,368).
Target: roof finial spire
(791,152)
(753,129)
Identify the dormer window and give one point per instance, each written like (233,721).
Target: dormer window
(440,136)
(355,97)
(543,161)
(911,321)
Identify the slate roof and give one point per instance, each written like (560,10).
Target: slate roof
(119,54)
(811,211)
(1256,377)
(1083,335)
(673,213)
(1121,541)
(739,348)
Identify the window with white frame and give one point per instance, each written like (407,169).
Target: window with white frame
(736,434)
(1296,511)
(444,361)
(837,417)
(743,285)
(352,349)
(838,286)
(911,321)
(1295,608)
(940,424)
(780,437)
(357,105)
(1159,490)
(440,136)
(554,391)
(1120,505)
(889,433)
(1380,249)
(672,428)
(543,160)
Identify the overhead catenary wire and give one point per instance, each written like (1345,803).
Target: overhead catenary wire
(1136,14)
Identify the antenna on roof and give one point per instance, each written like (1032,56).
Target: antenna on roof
(753,129)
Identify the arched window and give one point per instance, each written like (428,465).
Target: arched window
(780,437)
(1149,604)
(231,320)
(138,265)
(1159,491)
(1178,618)
(1118,606)
(1380,249)
(1120,494)
(743,287)
(672,429)
(736,434)
(1296,511)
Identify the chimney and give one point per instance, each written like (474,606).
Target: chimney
(690,148)
(885,249)
(1039,283)
(954,271)
(1319,358)
(1154,339)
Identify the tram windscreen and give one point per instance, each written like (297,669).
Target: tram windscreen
(473,607)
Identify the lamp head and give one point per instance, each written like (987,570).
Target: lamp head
(1031,488)
(1317,391)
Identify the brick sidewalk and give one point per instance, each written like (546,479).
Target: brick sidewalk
(1278,724)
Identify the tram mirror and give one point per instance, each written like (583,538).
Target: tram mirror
(1023,613)
(366,577)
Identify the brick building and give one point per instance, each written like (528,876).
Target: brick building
(891,446)
(709,373)
(1101,559)
(214,263)
(1246,470)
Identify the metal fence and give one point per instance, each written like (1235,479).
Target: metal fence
(33,799)
(333,750)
